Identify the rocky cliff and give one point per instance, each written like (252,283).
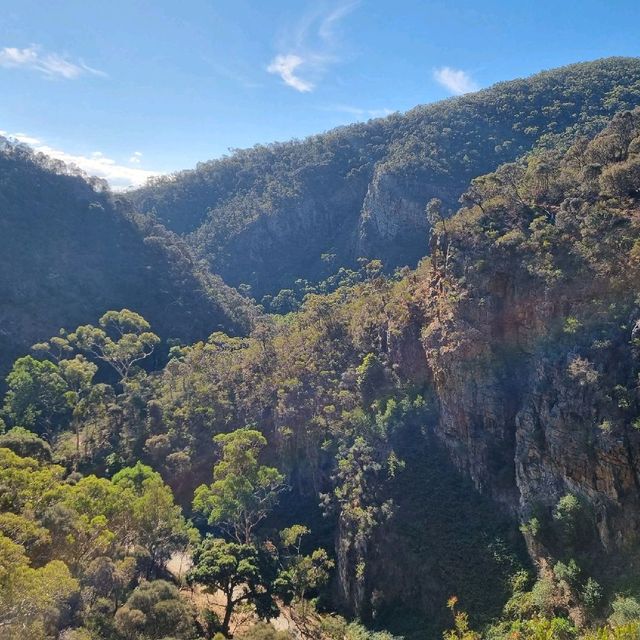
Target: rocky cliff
(525,330)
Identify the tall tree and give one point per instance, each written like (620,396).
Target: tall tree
(123,339)
(37,396)
(243,491)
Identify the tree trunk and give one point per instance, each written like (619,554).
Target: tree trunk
(227,613)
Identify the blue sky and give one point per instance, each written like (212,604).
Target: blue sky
(126,88)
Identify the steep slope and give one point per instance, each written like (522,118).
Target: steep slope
(272,214)
(69,252)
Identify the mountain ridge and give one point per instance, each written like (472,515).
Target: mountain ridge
(273,214)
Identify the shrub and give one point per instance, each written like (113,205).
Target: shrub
(625,609)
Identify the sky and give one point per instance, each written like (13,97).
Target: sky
(127,89)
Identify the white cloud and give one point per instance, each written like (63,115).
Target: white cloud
(312,45)
(119,176)
(50,65)
(456,81)
(25,139)
(136,157)
(285,66)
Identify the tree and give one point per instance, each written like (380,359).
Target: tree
(26,532)
(264,631)
(36,398)
(301,574)
(123,339)
(78,373)
(26,444)
(153,611)
(25,482)
(239,571)
(30,599)
(461,629)
(160,528)
(243,491)
(106,578)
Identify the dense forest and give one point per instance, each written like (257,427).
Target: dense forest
(450,450)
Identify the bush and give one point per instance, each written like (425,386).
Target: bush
(592,595)
(26,444)
(625,609)
(569,572)
(543,595)
(569,518)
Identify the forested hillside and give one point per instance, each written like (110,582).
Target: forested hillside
(452,445)
(69,252)
(274,214)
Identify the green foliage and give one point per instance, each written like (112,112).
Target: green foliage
(592,595)
(161,528)
(264,631)
(568,516)
(625,609)
(543,595)
(36,398)
(123,339)
(370,376)
(155,610)
(569,572)
(301,574)
(31,600)
(243,491)
(26,444)
(78,250)
(337,628)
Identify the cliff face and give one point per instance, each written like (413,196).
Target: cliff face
(530,423)
(562,447)
(281,248)
(392,223)
(532,334)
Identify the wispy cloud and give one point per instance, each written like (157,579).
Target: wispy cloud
(119,176)
(359,112)
(136,157)
(310,47)
(50,65)
(456,81)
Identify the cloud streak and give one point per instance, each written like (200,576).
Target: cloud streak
(359,112)
(118,176)
(310,48)
(49,65)
(456,81)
